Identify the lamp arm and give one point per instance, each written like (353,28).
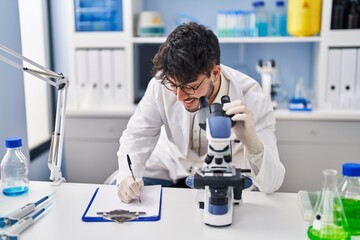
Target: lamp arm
(57,139)
(59,81)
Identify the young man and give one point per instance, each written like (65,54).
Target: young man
(163,138)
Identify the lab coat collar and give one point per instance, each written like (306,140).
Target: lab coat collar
(227,74)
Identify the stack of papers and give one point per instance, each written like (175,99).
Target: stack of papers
(105,199)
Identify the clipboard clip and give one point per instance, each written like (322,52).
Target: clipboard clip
(120,215)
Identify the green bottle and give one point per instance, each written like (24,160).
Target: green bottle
(329,221)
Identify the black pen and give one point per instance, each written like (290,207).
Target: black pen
(132,173)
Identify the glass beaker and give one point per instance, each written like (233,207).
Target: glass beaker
(329,221)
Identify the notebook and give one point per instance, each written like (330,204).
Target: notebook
(105,199)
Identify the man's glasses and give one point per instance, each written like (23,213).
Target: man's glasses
(189,90)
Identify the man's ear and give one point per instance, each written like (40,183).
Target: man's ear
(216,71)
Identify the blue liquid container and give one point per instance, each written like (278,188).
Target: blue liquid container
(14,169)
(261,19)
(98,15)
(279,20)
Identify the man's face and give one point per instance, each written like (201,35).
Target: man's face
(191,102)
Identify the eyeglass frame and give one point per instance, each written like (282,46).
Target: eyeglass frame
(194,89)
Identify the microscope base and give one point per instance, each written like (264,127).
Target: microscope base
(218,216)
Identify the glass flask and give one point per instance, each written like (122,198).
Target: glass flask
(329,221)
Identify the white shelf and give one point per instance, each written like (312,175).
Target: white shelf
(119,111)
(324,115)
(335,38)
(149,40)
(269,39)
(96,39)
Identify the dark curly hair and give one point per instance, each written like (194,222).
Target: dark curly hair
(191,49)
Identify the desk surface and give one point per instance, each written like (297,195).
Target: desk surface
(260,216)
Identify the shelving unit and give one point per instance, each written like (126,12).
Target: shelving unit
(311,65)
(144,40)
(308,59)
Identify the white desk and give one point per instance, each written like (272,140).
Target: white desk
(276,216)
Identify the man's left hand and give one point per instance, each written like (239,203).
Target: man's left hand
(244,128)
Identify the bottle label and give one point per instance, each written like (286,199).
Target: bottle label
(20,172)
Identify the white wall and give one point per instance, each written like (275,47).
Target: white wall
(12,95)
(34,42)
(12,98)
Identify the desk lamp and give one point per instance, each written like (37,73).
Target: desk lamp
(61,83)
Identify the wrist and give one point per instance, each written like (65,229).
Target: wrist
(255,147)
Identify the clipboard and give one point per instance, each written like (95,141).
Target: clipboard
(105,199)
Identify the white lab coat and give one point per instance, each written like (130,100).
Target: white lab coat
(158,134)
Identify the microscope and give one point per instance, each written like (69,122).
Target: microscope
(222,182)
(267,70)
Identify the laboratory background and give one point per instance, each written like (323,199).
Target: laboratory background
(309,64)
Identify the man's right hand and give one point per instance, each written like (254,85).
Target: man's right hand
(128,189)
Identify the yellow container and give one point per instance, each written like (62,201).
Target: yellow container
(304,17)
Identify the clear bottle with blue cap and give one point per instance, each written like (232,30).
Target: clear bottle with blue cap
(14,169)
(349,190)
(278,20)
(261,18)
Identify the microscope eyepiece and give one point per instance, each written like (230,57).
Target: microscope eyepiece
(225,99)
(203,102)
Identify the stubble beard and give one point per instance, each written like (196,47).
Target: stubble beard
(207,95)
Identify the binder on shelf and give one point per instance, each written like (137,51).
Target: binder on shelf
(93,97)
(347,80)
(357,83)
(105,199)
(333,77)
(106,76)
(82,84)
(120,75)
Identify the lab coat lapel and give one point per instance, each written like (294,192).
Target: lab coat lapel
(234,92)
(183,122)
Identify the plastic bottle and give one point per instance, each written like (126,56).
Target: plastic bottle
(304,17)
(278,20)
(250,23)
(14,169)
(328,220)
(261,19)
(349,190)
